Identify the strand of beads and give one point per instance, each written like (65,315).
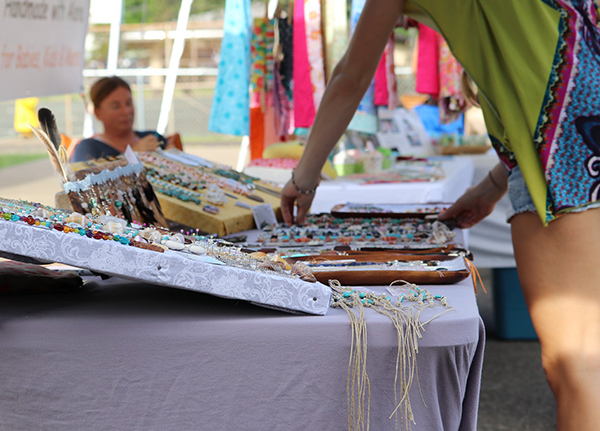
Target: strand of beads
(195,174)
(177,192)
(181,179)
(410,292)
(55,222)
(406,320)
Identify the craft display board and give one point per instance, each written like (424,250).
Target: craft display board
(102,253)
(380,269)
(241,194)
(231,218)
(361,233)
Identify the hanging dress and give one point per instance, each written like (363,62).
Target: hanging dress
(537,66)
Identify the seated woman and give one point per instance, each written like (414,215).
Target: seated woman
(113,106)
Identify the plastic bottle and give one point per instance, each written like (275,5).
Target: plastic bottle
(344,160)
(372,159)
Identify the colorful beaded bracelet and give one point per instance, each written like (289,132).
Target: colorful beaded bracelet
(305,192)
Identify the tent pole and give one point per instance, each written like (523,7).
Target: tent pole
(115,34)
(182,20)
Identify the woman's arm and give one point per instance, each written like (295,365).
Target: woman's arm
(349,81)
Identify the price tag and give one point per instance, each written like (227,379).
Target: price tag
(263,214)
(131,157)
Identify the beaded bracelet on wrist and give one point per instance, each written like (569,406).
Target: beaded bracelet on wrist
(304,192)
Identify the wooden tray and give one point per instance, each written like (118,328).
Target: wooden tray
(383,278)
(363,276)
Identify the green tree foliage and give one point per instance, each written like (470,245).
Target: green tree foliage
(148,11)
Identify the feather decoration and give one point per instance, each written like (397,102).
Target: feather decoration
(62,155)
(64,170)
(48,125)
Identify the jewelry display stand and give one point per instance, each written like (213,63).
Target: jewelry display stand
(171,268)
(191,207)
(230,219)
(118,189)
(373,248)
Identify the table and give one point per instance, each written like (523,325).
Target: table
(125,355)
(458,176)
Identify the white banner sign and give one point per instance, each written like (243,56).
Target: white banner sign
(42,47)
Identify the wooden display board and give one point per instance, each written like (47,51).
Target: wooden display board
(230,219)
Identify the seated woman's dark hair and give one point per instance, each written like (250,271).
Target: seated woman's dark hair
(104,86)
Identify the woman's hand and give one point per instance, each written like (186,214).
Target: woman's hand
(147,143)
(478,201)
(290,197)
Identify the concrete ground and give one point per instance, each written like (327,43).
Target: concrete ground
(514,393)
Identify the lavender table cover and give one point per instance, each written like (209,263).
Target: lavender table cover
(124,355)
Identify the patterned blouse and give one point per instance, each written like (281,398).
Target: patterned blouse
(537,66)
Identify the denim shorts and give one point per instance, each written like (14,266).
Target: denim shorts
(521,200)
(518,194)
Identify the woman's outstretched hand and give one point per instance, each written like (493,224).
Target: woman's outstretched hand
(476,203)
(290,197)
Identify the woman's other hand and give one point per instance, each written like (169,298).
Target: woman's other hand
(478,201)
(147,143)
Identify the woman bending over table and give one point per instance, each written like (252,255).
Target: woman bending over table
(536,64)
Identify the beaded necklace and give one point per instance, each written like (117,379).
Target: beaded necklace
(179,192)
(404,313)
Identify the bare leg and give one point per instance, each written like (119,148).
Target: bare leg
(559,269)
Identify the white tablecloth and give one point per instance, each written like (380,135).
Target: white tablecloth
(458,177)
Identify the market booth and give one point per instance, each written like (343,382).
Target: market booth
(113,319)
